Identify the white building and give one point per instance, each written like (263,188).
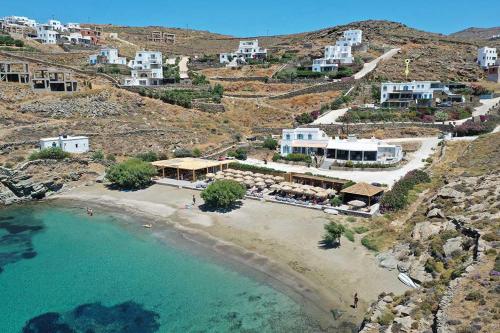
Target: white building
(20,20)
(70,144)
(402,94)
(45,34)
(72,26)
(313,141)
(107,56)
(486,56)
(147,69)
(352,37)
(248,49)
(57,25)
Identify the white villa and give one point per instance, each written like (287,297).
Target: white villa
(72,26)
(352,37)
(107,56)
(147,69)
(486,56)
(45,34)
(56,25)
(248,49)
(313,141)
(340,53)
(20,20)
(70,144)
(402,94)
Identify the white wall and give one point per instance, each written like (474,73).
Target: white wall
(75,145)
(486,56)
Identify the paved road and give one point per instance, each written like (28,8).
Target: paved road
(370,66)
(388,177)
(330,117)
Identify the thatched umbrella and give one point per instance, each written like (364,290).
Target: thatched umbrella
(210,175)
(219,176)
(239,179)
(260,184)
(269,181)
(309,192)
(248,177)
(267,176)
(286,188)
(321,195)
(219,173)
(279,179)
(275,187)
(249,183)
(248,173)
(258,179)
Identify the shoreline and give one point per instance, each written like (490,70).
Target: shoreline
(317,285)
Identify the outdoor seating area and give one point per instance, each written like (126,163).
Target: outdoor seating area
(361,196)
(188,168)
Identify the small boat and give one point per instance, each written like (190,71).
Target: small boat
(147,225)
(407,280)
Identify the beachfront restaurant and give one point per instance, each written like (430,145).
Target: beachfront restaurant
(363,151)
(364,192)
(188,168)
(316,181)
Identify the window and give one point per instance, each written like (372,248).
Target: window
(385,88)
(76,145)
(342,154)
(287,136)
(300,136)
(309,136)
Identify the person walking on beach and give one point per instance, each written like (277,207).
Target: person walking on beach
(356,300)
(194,200)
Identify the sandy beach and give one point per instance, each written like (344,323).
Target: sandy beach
(278,240)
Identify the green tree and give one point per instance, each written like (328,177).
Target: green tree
(239,154)
(304,118)
(131,174)
(196,152)
(333,233)
(270,143)
(183,152)
(149,156)
(223,194)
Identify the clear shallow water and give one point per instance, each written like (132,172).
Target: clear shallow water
(63,271)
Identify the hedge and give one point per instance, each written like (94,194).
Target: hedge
(397,198)
(254,168)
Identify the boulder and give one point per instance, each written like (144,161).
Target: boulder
(417,272)
(404,266)
(387,260)
(404,310)
(450,193)
(435,213)
(405,323)
(424,230)
(452,245)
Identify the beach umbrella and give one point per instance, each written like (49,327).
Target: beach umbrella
(210,175)
(260,184)
(331,191)
(321,194)
(248,177)
(275,187)
(357,203)
(238,172)
(309,192)
(219,176)
(278,179)
(258,179)
(239,179)
(248,173)
(269,181)
(267,176)
(286,188)
(249,183)
(219,173)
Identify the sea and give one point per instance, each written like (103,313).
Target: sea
(64,271)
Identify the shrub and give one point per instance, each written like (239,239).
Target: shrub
(183,152)
(98,155)
(349,234)
(149,156)
(223,193)
(131,174)
(54,153)
(294,157)
(199,79)
(369,243)
(348,184)
(239,154)
(474,296)
(111,158)
(441,116)
(253,168)
(360,230)
(196,152)
(270,143)
(304,118)
(386,318)
(333,233)
(397,198)
(276,157)
(336,201)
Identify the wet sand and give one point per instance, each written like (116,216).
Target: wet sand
(278,240)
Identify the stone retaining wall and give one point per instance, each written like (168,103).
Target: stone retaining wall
(333,129)
(319,88)
(208,107)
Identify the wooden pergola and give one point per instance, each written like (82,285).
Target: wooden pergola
(324,182)
(361,191)
(188,168)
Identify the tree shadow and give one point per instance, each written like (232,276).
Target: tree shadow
(115,187)
(322,244)
(213,209)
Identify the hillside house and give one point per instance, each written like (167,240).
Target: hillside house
(351,37)
(405,94)
(147,69)
(53,80)
(161,37)
(248,49)
(45,34)
(494,72)
(70,144)
(486,56)
(315,142)
(107,56)
(19,20)
(56,25)
(17,72)
(91,34)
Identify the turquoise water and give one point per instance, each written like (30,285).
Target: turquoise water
(63,271)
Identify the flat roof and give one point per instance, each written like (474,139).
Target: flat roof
(320,178)
(66,138)
(358,144)
(309,143)
(188,163)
